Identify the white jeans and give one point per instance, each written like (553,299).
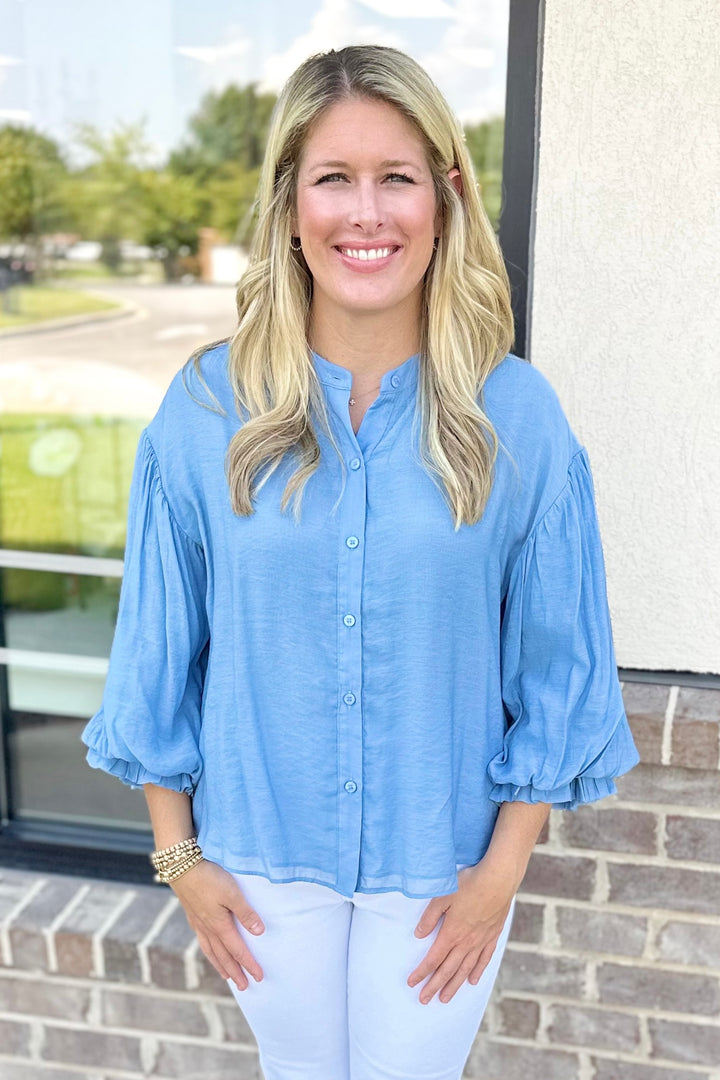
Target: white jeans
(334,1003)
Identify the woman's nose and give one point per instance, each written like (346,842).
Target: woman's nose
(367,211)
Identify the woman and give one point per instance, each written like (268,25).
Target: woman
(354,674)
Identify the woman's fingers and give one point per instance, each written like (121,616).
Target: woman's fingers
(232,964)
(216,909)
(443,974)
(211,956)
(483,961)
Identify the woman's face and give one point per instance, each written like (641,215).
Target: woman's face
(366,210)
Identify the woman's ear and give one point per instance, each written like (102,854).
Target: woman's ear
(456,180)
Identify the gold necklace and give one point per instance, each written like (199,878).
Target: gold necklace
(352,400)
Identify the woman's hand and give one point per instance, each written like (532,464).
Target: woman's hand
(210,897)
(473,922)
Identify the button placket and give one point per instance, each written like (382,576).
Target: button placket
(351,532)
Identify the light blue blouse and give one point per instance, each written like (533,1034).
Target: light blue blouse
(349,699)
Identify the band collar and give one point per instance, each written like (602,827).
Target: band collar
(401,379)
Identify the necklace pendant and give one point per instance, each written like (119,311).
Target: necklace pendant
(351,401)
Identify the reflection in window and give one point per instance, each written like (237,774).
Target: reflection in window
(64,483)
(126,198)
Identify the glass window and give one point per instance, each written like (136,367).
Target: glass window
(130,138)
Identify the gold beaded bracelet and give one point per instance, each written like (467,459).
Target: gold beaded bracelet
(175,860)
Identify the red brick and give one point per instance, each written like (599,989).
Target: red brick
(600,931)
(698,703)
(645,706)
(166,951)
(120,945)
(27,941)
(73,937)
(43,998)
(490,1060)
(235,1026)
(527,924)
(694,744)
(655,988)
(534,973)
(611,829)
(126,1009)
(598,1028)
(665,887)
(518,1018)
(79,1046)
(185,1060)
(560,875)
(14,885)
(696,839)
(12,1070)
(665,785)
(210,981)
(690,943)
(695,1044)
(14,1037)
(629,1070)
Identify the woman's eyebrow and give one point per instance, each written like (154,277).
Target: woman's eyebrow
(387,164)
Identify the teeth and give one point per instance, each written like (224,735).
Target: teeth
(366,253)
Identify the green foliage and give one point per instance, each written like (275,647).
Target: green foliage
(209,180)
(108,193)
(485,143)
(230,127)
(172,215)
(229,198)
(32,171)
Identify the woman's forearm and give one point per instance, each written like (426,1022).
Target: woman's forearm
(170,815)
(515,834)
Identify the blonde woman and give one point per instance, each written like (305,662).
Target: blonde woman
(363,643)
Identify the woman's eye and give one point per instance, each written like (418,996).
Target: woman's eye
(400,176)
(331,176)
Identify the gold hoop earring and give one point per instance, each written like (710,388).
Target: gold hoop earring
(299,244)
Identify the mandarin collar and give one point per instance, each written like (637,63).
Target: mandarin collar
(402,379)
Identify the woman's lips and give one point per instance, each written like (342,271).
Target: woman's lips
(367,259)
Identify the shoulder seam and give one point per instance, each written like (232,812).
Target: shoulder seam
(156,464)
(578,453)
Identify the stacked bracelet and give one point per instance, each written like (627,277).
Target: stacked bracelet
(173,861)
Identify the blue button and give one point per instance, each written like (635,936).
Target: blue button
(395,381)
(349,699)
(352,541)
(351,786)
(355,463)
(349,620)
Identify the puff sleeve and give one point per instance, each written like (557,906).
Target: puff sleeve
(147,729)
(568,734)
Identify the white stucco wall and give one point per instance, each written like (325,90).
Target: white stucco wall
(625,308)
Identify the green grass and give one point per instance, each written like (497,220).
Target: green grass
(97,273)
(37,303)
(64,482)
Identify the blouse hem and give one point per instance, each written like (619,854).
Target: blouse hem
(415,889)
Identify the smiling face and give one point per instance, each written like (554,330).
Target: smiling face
(366,211)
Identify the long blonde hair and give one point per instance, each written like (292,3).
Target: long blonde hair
(467,322)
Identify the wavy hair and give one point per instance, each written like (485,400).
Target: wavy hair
(467,322)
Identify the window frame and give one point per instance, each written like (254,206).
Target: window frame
(122,854)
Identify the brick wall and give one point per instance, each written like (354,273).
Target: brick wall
(612,973)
